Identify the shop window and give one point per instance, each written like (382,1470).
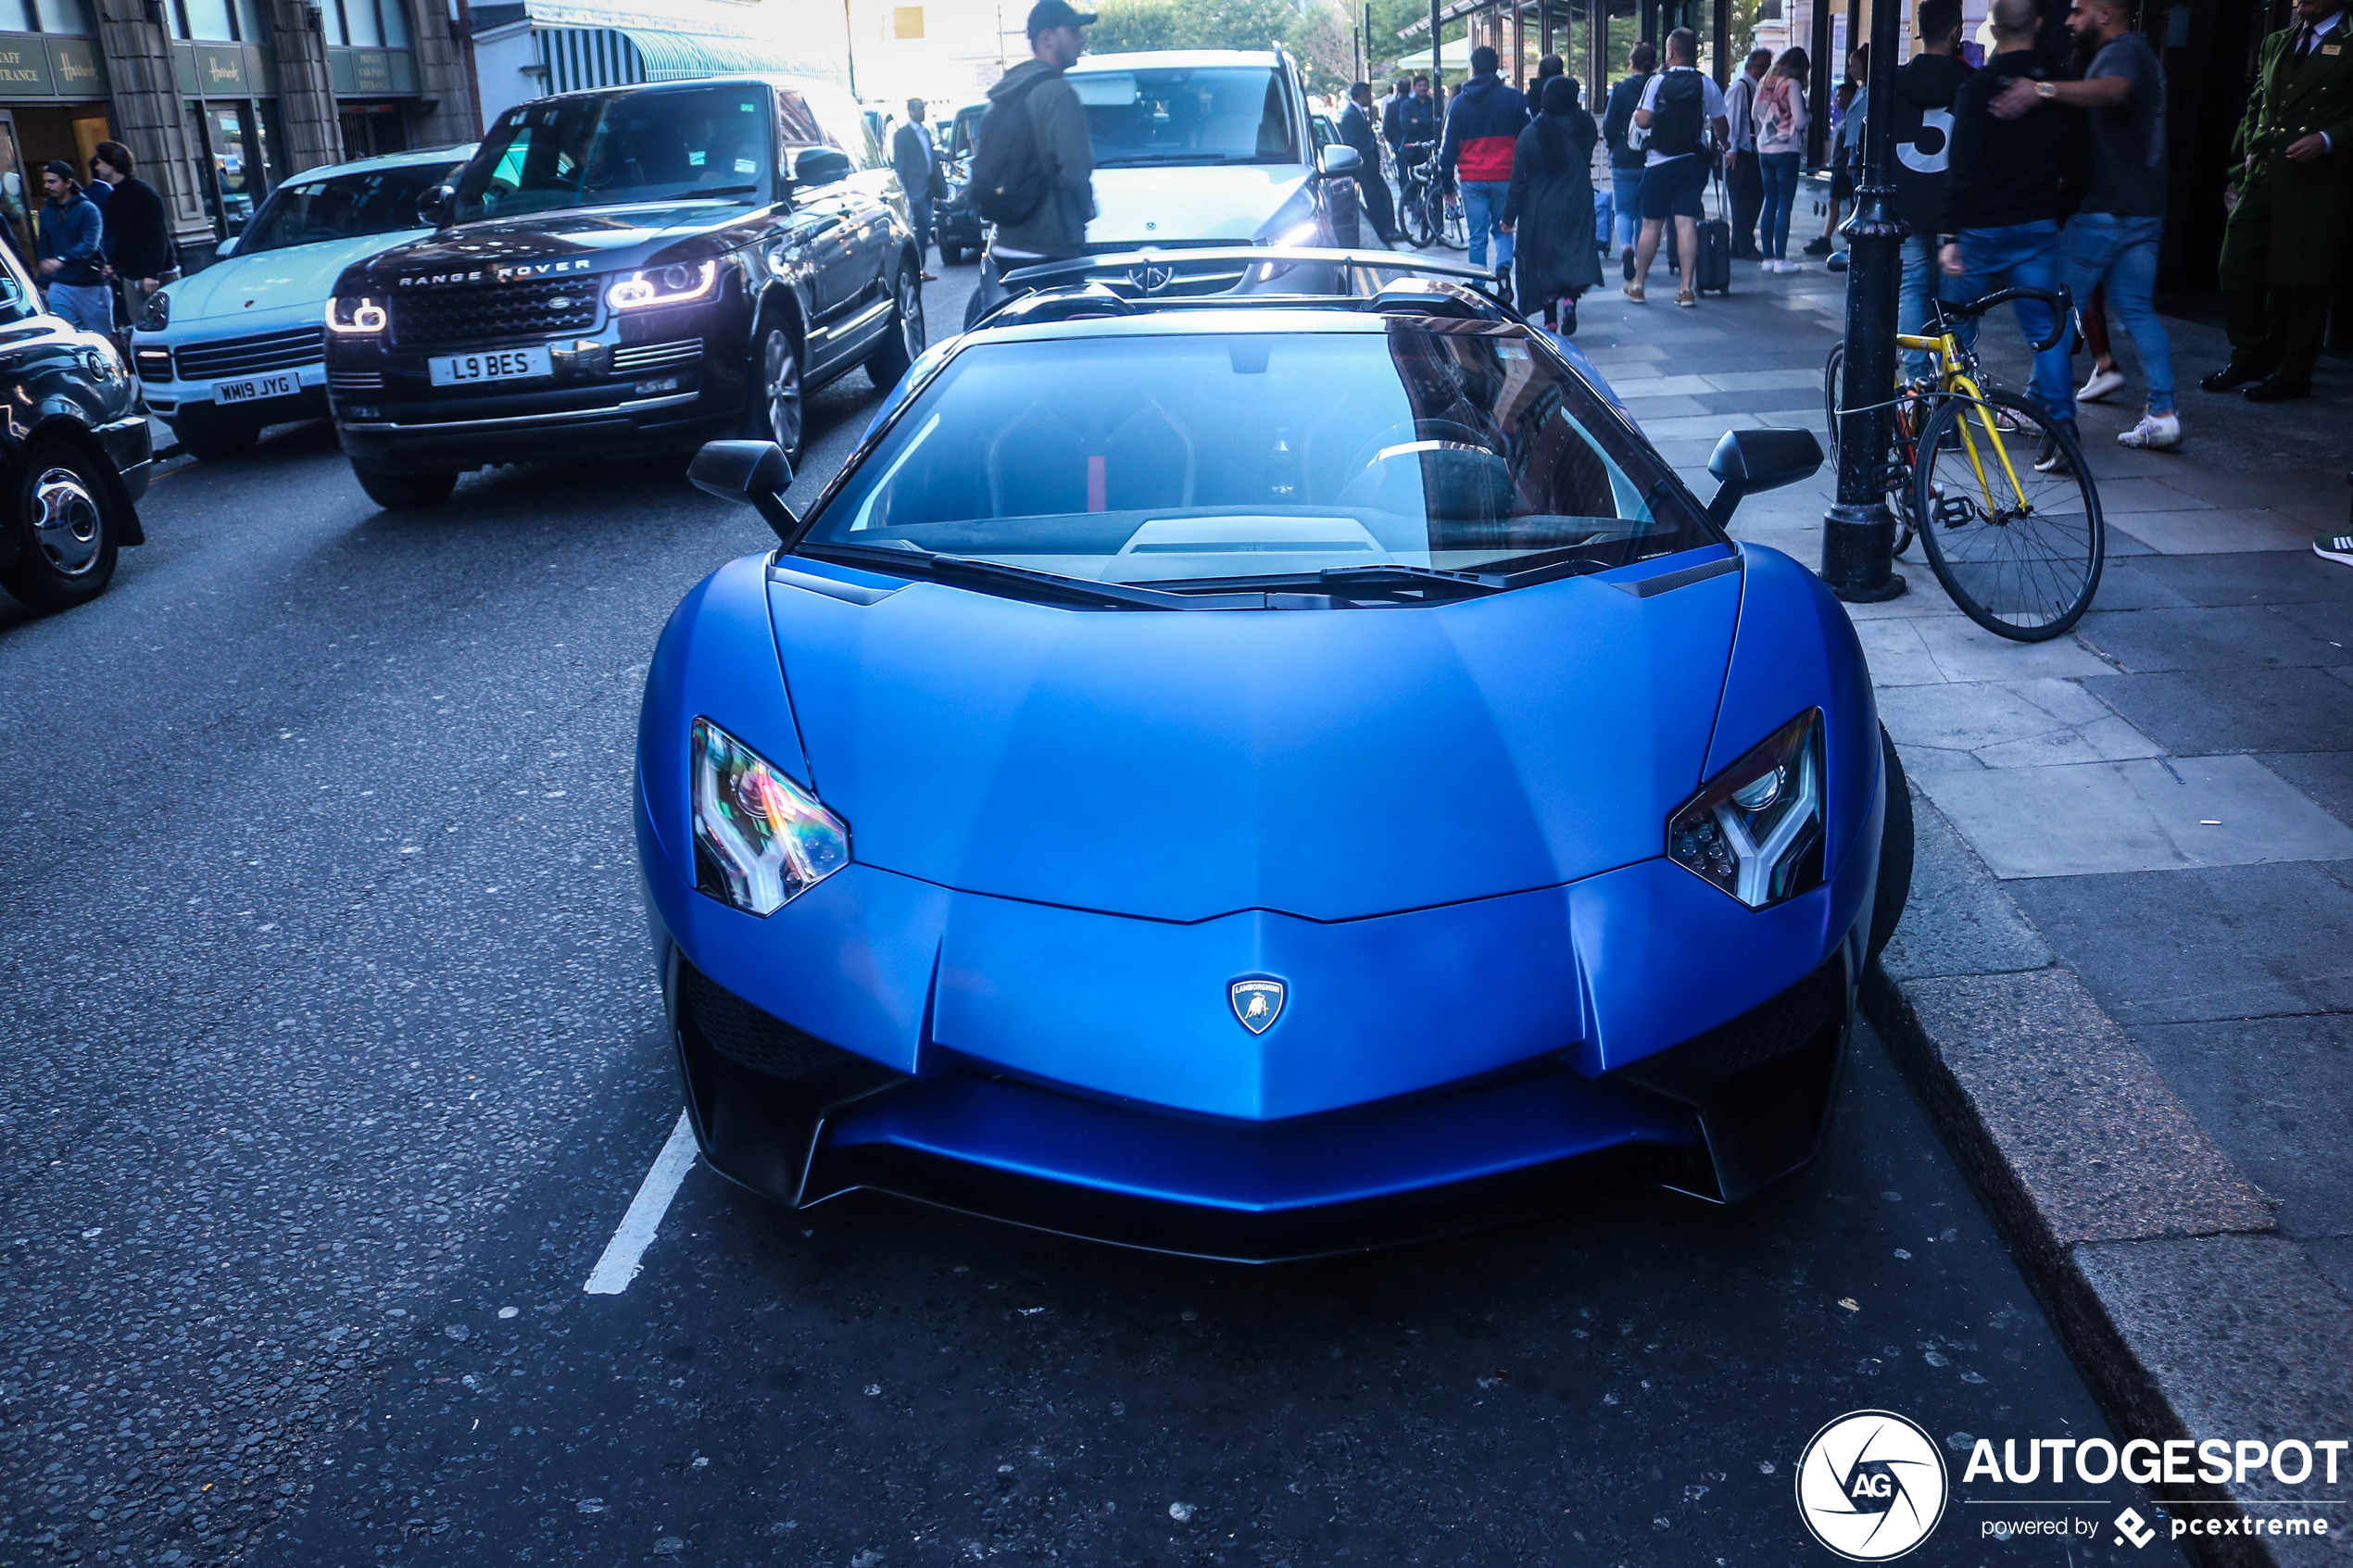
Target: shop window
(368,24)
(15,15)
(69,17)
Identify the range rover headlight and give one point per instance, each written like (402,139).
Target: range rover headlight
(676,284)
(356,313)
(1755,830)
(761,840)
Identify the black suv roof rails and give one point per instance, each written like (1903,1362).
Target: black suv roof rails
(1150,277)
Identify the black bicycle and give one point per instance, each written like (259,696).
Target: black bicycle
(1429,208)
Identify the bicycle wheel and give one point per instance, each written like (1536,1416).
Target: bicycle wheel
(1899,459)
(1413,211)
(1452,233)
(2019,551)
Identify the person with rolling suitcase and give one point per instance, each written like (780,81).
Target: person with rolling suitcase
(1682,111)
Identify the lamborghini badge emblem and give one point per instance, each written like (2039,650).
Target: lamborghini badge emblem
(1256,1002)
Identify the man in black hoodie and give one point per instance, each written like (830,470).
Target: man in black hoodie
(2002,201)
(1924,90)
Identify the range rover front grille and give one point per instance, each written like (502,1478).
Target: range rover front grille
(354,380)
(634,359)
(248,355)
(488,312)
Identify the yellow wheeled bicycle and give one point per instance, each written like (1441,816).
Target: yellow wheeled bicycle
(1995,489)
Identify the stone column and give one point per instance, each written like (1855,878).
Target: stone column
(443,57)
(306,95)
(149,116)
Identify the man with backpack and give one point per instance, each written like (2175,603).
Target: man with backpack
(1033,173)
(1682,111)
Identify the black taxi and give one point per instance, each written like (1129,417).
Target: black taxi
(626,270)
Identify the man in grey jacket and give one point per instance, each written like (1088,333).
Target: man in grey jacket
(1033,99)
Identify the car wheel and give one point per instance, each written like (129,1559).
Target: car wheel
(950,255)
(1894,851)
(775,411)
(70,530)
(403,491)
(904,342)
(218,440)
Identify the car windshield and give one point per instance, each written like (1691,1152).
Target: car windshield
(660,146)
(1187,114)
(1207,458)
(376,201)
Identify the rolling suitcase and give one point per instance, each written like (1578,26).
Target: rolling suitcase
(1716,247)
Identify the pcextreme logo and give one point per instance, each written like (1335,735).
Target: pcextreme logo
(1871,1486)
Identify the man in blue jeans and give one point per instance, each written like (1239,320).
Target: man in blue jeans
(1626,154)
(2113,238)
(2002,203)
(1483,125)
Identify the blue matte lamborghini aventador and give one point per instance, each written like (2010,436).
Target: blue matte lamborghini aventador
(1259,775)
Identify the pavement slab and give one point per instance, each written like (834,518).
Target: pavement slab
(2199,713)
(2249,637)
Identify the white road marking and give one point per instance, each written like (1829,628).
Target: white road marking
(624,1253)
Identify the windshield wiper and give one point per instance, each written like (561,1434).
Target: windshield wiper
(1396,574)
(1115,595)
(1162,158)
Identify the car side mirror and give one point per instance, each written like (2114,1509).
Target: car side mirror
(225,249)
(1337,160)
(435,205)
(754,472)
(1749,461)
(819,165)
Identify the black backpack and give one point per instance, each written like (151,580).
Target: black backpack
(1676,114)
(1009,180)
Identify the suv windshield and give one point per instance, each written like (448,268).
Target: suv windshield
(644,147)
(377,202)
(1187,114)
(1207,458)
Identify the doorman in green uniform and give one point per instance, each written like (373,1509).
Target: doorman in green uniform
(2281,248)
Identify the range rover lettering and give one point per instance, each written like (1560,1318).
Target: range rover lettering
(626,271)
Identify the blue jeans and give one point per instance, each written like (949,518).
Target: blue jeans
(1482,204)
(87,305)
(2108,247)
(1781,199)
(2025,256)
(1626,193)
(1923,280)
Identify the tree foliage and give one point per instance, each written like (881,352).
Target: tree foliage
(1124,26)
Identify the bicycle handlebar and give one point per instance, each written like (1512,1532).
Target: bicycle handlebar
(2061,304)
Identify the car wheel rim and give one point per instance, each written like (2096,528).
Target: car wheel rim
(780,384)
(65,523)
(910,314)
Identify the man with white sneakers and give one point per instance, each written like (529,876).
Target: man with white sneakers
(2113,238)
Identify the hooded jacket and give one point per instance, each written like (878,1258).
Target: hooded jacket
(1482,124)
(70,233)
(1925,88)
(1057,231)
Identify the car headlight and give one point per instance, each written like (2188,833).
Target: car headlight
(156,314)
(761,840)
(1755,830)
(675,284)
(359,313)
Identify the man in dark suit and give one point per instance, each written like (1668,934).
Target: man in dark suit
(918,162)
(2279,246)
(1356,131)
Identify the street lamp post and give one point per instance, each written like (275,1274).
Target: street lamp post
(1858,537)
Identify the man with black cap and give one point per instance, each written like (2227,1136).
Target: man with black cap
(1034,102)
(73,262)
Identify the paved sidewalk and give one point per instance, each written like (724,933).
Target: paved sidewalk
(2127,973)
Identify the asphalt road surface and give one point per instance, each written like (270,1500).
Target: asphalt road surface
(335,1059)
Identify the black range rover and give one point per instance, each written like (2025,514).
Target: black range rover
(625,271)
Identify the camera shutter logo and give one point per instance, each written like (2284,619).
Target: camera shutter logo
(1871,1486)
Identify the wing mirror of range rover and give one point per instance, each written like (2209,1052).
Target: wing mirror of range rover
(754,472)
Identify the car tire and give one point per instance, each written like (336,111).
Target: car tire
(217,442)
(403,491)
(776,410)
(903,343)
(1894,851)
(71,530)
(950,255)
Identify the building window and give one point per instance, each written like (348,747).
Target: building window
(368,24)
(218,21)
(70,17)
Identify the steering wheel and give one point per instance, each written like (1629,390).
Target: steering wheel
(1382,446)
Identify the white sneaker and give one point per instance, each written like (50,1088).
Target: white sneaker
(2102,383)
(2337,547)
(1788,266)
(2156,432)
